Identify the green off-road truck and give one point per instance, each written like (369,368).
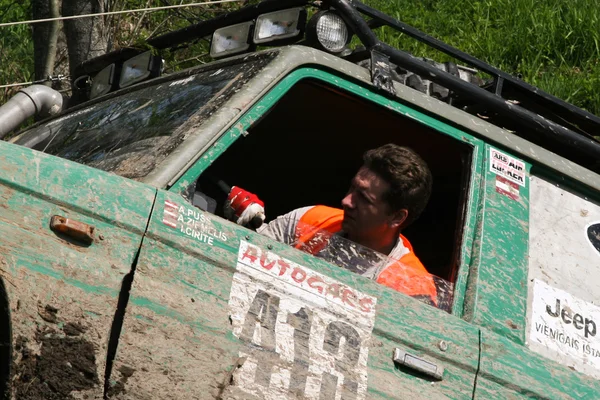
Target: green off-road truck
(120,278)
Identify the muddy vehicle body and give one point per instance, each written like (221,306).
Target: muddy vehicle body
(120,278)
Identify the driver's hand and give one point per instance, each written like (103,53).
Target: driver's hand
(244,208)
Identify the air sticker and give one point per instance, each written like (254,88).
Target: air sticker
(306,334)
(565,324)
(507,167)
(191,222)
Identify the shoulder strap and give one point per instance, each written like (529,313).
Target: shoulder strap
(316,226)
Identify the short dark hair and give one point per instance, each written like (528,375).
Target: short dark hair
(407,174)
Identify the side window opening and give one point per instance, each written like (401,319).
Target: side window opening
(306,150)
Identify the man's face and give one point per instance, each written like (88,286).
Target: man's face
(366,213)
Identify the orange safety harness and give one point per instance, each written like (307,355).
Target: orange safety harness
(406,275)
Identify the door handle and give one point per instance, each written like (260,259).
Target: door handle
(73,229)
(418,364)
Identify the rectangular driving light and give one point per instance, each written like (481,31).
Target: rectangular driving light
(102,82)
(139,68)
(230,40)
(279,25)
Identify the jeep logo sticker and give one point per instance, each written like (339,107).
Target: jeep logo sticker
(565,325)
(593,234)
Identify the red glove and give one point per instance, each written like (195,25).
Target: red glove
(244,208)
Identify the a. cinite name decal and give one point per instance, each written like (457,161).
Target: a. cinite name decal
(191,222)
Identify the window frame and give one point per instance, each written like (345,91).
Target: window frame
(367,93)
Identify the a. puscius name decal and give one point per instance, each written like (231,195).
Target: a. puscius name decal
(307,334)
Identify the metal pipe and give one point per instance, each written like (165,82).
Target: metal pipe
(33,100)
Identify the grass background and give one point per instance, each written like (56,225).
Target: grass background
(552,44)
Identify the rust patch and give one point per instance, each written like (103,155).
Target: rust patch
(511,324)
(64,365)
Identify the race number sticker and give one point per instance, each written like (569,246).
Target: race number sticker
(307,334)
(565,324)
(507,167)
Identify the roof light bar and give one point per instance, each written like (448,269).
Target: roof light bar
(329,31)
(279,25)
(230,40)
(137,69)
(102,82)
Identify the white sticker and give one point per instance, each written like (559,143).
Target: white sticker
(508,167)
(191,222)
(307,334)
(565,324)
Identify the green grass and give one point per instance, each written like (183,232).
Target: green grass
(552,44)
(16,48)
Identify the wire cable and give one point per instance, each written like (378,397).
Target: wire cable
(55,78)
(151,9)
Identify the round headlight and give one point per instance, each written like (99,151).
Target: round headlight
(330,31)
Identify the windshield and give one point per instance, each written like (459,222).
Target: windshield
(393,270)
(130,134)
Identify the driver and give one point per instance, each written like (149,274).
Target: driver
(387,194)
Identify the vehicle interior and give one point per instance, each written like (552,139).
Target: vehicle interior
(307,148)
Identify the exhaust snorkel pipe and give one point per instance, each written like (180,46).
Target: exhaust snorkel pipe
(36,99)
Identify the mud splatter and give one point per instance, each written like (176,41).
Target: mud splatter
(119,387)
(64,364)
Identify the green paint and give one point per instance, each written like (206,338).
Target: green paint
(159,309)
(469,232)
(498,273)
(86,287)
(99,195)
(509,370)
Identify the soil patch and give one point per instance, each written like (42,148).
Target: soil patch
(65,364)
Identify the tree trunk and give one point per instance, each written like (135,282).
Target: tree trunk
(85,37)
(44,38)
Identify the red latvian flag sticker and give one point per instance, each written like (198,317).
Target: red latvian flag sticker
(507,188)
(171,213)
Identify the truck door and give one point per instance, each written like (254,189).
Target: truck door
(535,246)
(69,235)
(219,311)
